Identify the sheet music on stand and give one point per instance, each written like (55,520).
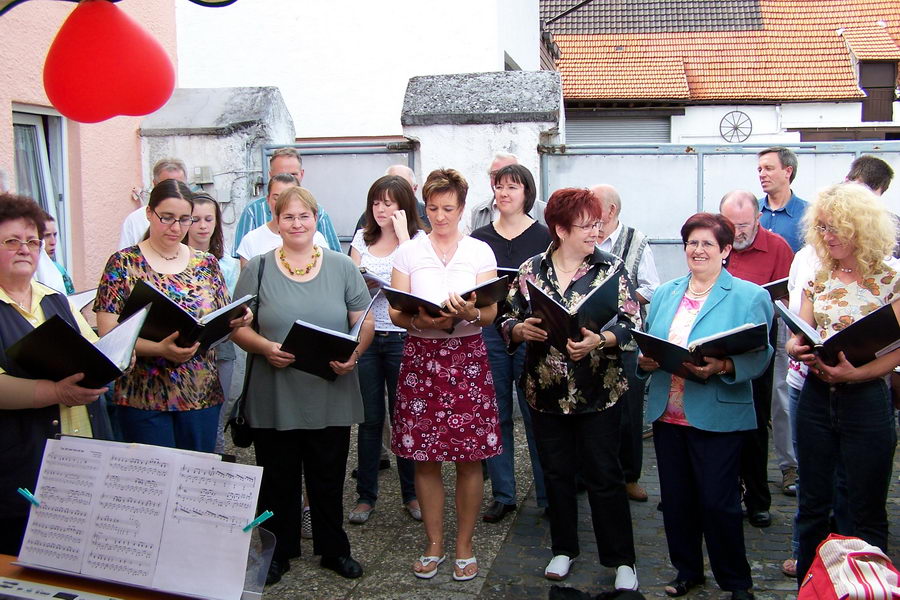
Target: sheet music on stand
(146,516)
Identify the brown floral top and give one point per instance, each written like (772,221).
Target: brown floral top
(552,382)
(837,304)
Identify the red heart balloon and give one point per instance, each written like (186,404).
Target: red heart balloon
(102,63)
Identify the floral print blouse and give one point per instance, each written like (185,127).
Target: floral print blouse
(156,383)
(837,304)
(553,383)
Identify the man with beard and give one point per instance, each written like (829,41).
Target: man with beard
(760,256)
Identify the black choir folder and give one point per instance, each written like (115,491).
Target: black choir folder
(487,293)
(777,289)
(314,346)
(54,351)
(745,338)
(594,311)
(167,317)
(863,341)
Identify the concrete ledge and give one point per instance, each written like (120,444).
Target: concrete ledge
(212,111)
(483,98)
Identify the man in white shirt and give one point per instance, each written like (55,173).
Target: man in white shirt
(633,247)
(135,225)
(266,237)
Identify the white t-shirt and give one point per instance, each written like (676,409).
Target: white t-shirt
(134,227)
(261,240)
(431,280)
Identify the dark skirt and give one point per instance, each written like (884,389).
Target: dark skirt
(446,408)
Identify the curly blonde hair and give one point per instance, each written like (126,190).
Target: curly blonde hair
(859,218)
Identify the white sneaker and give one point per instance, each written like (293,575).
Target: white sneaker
(626,578)
(558,568)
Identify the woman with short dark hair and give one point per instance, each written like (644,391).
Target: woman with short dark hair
(574,396)
(698,428)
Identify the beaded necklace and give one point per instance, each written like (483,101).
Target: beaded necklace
(300,272)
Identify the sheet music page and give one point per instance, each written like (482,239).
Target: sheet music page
(204,548)
(58,529)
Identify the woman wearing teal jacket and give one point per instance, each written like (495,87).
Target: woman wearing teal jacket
(698,427)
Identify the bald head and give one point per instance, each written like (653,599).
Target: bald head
(739,199)
(612,205)
(404,172)
(741,208)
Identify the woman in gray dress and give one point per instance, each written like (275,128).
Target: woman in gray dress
(301,422)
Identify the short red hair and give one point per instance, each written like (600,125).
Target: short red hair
(567,205)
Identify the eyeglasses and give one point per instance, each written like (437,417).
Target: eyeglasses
(183,221)
(705,244)
(13,244)
(598,225)
(826,229)
(292,218)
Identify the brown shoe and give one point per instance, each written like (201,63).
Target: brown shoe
(789,481)
(635,492)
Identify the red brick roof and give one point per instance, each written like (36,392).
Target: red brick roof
(798,54)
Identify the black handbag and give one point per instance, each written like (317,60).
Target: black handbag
(241,432)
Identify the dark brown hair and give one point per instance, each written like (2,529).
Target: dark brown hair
(402,194)
(14,207)
(521,175)
(722,229)
(165,189)
(568,204)
(216,240)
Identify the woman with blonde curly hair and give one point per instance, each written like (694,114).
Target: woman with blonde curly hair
(844,413)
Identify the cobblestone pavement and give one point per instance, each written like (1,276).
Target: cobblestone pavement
(512,554)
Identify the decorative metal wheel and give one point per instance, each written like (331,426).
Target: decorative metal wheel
(735,126)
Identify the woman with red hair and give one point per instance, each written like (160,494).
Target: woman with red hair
(574,396)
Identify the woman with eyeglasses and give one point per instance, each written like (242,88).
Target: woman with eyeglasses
(698,428)
(32,410)
(206,235)
(574,396)
(844,413)
(172,396)
(301,422)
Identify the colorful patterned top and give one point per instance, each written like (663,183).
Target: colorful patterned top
(679,332)
(156,383)
(553,383)
(837,304)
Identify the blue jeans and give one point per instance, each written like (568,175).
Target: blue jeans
(506,370)
(185,429)
(379,366)
(852,424)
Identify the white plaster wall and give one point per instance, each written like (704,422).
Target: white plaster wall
(470,148)
(343,67)
(700,125)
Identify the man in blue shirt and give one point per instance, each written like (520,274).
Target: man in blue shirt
(284,160)
(780,210)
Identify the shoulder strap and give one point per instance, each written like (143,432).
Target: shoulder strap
(239,404)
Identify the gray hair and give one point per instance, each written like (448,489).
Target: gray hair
(168,164)
(607,194)
(739,198)
(404,172)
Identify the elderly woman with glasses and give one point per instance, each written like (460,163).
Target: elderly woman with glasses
(32,410)
(574,395)
(172,396)
(844,413)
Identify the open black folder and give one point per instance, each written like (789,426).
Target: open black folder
(777,289)
(54,351)
(862,341)
(166,317)
(487,293)
(593,311)
(745,338)
(314,346)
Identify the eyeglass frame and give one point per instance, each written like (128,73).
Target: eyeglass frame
(598,225)
(823,229)
(19,243)
(172,220)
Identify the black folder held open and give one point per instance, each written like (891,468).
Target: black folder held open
(54,351)
(167,317)
(487,293)
(671,357)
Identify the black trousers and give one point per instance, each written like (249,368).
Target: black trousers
(701,498)
(631,454)
(587,444)
(755,454)
(285,456)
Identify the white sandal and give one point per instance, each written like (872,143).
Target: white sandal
(427,560)
(461,564)
(558,567)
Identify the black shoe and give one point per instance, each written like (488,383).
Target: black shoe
(277,568)
(759,518)
(383,465)
(742,595)
(496,511)
(345,566)
(680,587)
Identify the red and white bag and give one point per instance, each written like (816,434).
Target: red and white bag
(849,568)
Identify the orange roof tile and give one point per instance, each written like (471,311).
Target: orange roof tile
(797,55)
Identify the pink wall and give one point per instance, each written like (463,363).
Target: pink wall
(104,159)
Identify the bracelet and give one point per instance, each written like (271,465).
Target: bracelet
(412,323)
(477,320)
(724,370)
(602,344)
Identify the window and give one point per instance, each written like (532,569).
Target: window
(877,79)
(40,164)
